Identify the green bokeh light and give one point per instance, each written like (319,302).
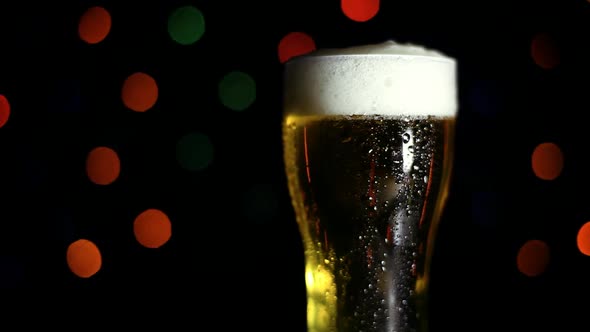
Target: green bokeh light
(237,90)
(186,25)
(194,151)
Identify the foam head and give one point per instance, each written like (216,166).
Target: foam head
(377,79)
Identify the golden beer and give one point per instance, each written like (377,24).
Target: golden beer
(368,162)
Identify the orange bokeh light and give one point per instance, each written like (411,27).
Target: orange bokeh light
(4,110)
(95,25)
(103,165)
(360,10)
(139,92)
(583,239)
(295,44)
(547,161)
(83,258)
(152,228)
(533,258)
(544,51)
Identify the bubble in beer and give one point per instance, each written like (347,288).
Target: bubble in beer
(186,25)
(194,151)
(237,90)
(360,10)
(295,44)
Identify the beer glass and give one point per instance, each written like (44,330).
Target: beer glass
(368,148)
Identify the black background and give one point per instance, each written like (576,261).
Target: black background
(226,266)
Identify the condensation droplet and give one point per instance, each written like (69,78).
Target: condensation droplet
(406,137)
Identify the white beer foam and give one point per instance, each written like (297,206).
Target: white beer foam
(385,79)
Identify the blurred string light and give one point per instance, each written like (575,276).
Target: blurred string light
(152,228)
(139,92)
(533,258)
(360,10)
(94,25)
(294,44)
(83,258)
(583,239)
(103,165)
(4,110)
(194,151)
(547,164)
(547,161)
(237,90)
(186,25)
(544,51)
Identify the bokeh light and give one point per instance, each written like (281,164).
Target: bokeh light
(152,228)
(95,25)
(139,92)
(583,239)
(237,90)
(83,258)
(544,51)
(533,258)
(186,25)
(4,110)
(547,161)
(360,10)
(194,151)
(295,44)
(103,165)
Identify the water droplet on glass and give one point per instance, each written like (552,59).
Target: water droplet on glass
(426,179)
(404,302)
(411,148)
(416,167)
(406,137)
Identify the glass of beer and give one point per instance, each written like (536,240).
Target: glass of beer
(368,147)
